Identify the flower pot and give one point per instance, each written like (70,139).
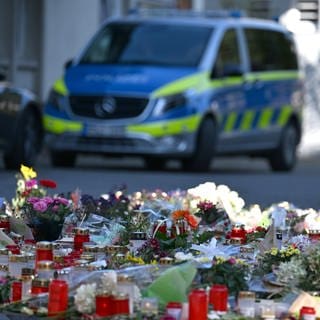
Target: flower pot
(46,230)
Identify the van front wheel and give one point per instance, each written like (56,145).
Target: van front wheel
(285,156)
(200,161)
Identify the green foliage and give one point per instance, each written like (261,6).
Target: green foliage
(231,272)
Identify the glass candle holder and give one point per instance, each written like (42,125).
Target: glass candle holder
(218,298)
(149,306)
(267,309)
(27,275)
(81,235)
(4,270)
(44,251)
(246,303)
(198,305)
(120,304)
(45,269)
(16,263)
(39,286)
(4,256)
(126,285)
(174,309)
(104,305)
(5,223)
(58,297)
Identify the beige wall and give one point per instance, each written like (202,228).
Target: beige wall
(67,27)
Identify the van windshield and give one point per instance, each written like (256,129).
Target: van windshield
(148,44)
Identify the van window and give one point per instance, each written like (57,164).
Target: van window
(228,58)
(270,50)
(148,43)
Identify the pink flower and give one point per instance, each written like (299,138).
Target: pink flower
(33,200)
(40,206)
(31,183)
(63,201)
(232,261)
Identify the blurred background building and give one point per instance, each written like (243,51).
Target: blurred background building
(38,36)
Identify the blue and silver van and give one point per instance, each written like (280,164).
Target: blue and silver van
(184,88)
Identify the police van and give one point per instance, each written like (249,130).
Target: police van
(182,87)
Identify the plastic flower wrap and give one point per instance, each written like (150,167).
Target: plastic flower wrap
(173,284)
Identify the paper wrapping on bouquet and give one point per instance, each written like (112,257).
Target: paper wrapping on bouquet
(211,250)
(4,239)
(17,226)
(20,227)
(173,284)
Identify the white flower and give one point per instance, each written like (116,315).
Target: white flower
(181,256)
(109,281)
(205,191)
(84,298)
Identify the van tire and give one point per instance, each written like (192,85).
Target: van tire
(65,159)
(284,157)
(27,142)
(200,161)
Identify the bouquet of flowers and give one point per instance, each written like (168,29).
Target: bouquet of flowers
(45,216)
(43,213)
(231,272)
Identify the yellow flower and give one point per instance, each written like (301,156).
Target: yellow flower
(274,251)
(136,260)
(28,173)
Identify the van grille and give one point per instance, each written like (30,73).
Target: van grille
(102,107)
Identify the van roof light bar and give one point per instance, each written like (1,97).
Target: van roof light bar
(145,12)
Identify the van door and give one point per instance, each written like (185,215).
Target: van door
(271,80)
(229,90)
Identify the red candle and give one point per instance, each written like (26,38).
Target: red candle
(81,236)
(58,297)
(13,248)
(120,304)
(39,286)
(198,305)
(16,291)
(218,298)
(104,305)
(44,251)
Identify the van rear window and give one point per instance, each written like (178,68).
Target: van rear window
(148,44)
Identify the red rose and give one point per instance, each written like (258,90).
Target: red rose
(48,184)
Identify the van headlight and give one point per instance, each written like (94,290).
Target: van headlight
(57,100)
(166,103)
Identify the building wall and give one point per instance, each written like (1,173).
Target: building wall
(67,26)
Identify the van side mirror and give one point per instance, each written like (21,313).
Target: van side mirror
(68,64)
